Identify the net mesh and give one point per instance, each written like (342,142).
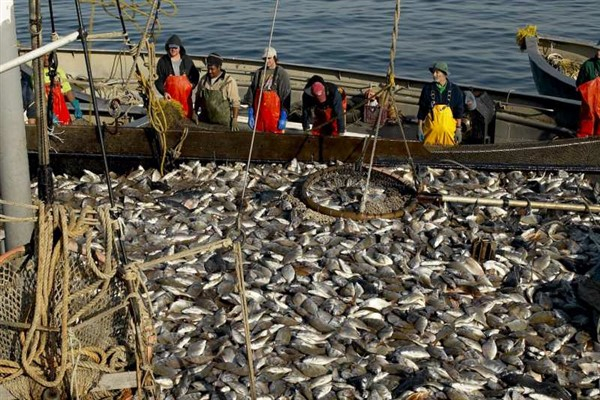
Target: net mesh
(338,191)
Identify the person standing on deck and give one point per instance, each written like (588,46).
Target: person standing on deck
(271,115)
(441,108)
(588,84)
(217,97)
(28,98)
(177,75)
(323,104)
(61,89)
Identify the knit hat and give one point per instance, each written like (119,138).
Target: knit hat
(318,91)
(269,52)
(214,59)
(440,66)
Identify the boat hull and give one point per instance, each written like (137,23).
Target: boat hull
(515,128)
(548,80)
(131,147)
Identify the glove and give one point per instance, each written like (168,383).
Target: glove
(458,135)
(251,118)
(234,125)
(282,120)
(77,107)
(421,135)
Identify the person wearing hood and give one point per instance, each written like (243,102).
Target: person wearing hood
(177,75)
(270,115)
(588,84)
(217,97)
(441,108)
(323,105)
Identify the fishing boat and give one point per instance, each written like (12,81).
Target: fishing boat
(555,62)
(505,130)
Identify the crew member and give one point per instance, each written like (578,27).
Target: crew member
(177,75)
(588,84)
(441,108)
(272,112)
(323,104)
(61,89)
(217,97)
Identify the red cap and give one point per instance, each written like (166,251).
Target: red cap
(318,91)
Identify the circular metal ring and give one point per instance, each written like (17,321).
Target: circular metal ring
(376,176)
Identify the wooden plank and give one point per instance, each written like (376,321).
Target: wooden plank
(116,381)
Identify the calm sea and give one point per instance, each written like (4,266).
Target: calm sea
(476,37)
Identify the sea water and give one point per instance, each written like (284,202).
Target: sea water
(475,37)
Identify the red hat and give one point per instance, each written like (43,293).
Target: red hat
(318,91)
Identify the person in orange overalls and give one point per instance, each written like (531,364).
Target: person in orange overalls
(177,75)
(323,105)
(588,84)
(271,114)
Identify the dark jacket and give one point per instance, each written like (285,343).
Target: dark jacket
(456,99)
(281,84)
(589,70)
(333,100)
(164,68)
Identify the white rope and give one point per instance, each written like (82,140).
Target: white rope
(247,172)
(390,97)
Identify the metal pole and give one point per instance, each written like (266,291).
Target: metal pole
(39,52)
(485,201)
(15,184)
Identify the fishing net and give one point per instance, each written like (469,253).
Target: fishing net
(523,33)
(68,311)
(564,65)
(340,192)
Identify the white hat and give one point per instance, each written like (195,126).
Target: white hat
(269,52)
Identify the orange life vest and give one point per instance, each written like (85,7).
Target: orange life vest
(59,105)
(269,111)
(589,115)
(180,89)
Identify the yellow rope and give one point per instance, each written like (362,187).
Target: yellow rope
(156,113)
(523,33)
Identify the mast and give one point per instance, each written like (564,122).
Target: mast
(15,185)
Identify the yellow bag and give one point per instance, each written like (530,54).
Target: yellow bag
(439,129)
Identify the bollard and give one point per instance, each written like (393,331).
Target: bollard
(483,250)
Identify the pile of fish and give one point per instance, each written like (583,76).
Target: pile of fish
(380,309)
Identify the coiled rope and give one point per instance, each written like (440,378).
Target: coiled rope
(54,270)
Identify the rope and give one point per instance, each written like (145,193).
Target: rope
(390,84)
(50,347)
(156,114)
(247,170)
(239,269)
(239,264)
(176,151)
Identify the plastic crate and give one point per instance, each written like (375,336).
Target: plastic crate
(371,113)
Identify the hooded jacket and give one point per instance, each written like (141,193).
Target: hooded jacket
(164,67)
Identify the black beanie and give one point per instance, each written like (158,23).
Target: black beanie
(214,59)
